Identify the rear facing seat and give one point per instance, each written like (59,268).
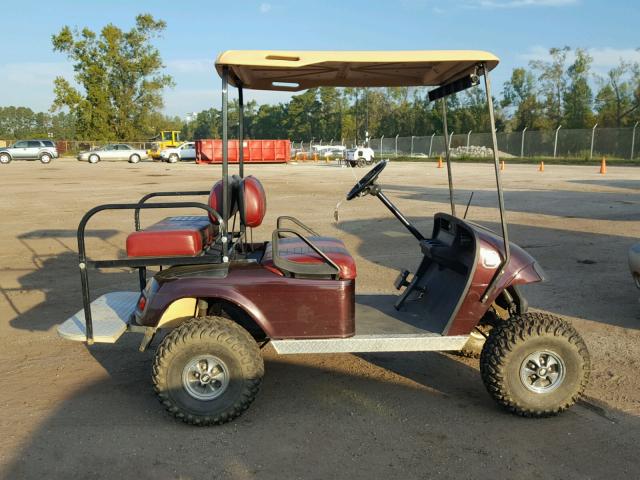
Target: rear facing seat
(180,236)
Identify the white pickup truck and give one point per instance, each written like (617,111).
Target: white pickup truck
(184,151)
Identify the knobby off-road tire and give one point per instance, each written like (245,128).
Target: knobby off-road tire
(213,341)
(533,343)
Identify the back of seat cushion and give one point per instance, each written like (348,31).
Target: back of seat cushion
(215,198)
(252,201)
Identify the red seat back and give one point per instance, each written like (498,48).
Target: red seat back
(252,201)
(215,198)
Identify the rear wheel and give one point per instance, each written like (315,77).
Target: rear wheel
(5,158)
(173,158)
(135,158)
(94,158)
(535,365)
(45,158)
(207,371)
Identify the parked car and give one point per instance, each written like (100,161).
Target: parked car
(185,151)
(114,151)
(43,150)
(634,263)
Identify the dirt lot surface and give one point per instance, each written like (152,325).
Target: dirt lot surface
(69,411)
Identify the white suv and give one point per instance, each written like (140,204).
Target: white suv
(185,151)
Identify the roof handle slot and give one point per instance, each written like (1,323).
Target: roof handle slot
(290,85)
(284,58)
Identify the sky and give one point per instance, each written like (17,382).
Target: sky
(517,31)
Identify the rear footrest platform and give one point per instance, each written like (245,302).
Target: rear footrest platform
(110,313)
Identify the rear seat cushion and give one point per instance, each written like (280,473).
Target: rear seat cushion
(173,236)
(296,250)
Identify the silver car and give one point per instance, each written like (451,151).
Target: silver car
(114,151)
(43,150)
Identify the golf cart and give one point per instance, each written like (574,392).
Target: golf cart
(222,297)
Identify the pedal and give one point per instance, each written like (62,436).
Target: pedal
(401,281)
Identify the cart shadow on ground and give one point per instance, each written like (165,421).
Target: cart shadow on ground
(56,277)
(321,417)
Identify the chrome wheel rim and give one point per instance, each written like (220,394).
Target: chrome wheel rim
(205,377)
(543,371)
(4,158)
(45,158)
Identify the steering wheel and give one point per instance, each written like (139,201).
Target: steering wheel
(365,182)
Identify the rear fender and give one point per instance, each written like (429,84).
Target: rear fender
(171,304)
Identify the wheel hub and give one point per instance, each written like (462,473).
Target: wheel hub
(205,377)
(542,372)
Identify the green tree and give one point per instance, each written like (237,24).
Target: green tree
(519,94)
(618,97)
(120,78)
(578,96)
(553,82)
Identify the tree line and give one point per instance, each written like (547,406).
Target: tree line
(119,80)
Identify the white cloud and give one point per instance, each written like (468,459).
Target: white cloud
(265,7)
(524,3)
(603,57)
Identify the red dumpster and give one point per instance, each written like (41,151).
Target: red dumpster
(255,151)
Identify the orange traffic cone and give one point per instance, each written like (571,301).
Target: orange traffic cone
(502,165)
(541,167)
(603,166)
(439,162)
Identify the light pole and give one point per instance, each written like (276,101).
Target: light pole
(593,136)
(555,143)
(522,145)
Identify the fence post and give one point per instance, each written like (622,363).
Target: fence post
(381,138)
(593,136)
(468,137)
(397,144)
(412,145)
(431,143)
(522,145)
(450,137)
(555,143)
(633,139)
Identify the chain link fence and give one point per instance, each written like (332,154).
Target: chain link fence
(586,144)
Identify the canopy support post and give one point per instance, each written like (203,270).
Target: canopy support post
(496,164)
(225,159)
(241,131)
(447,156)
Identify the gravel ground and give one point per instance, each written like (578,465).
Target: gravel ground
(77,412)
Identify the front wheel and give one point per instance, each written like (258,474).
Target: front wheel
(535,365)
(5,158)
(134,158)
(173,158)
(94,158)
(207,371)
(45,158)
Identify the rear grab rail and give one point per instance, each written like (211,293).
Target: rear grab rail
(82,255)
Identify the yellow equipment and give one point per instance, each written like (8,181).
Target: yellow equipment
(166,139)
